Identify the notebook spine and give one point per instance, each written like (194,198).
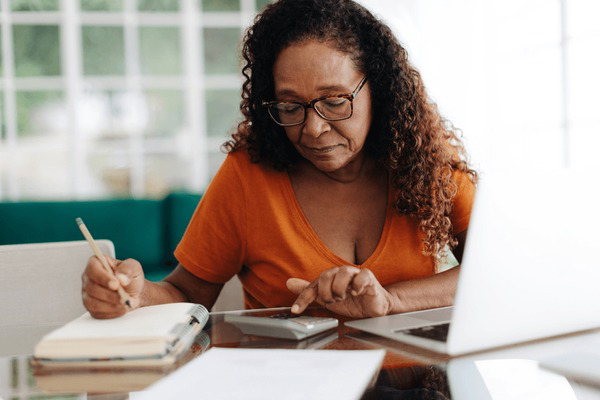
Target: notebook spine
(203,339)
(200,314)
(183,330)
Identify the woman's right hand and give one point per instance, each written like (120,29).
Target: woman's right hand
(99,288)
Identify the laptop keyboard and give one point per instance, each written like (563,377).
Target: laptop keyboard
(433,332)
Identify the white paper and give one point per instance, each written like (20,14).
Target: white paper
(151,321)
(223,373)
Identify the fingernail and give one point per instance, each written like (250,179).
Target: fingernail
(124,279)
(295,308)
(114,285)
(354,293)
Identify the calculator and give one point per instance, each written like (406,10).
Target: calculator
(282,325)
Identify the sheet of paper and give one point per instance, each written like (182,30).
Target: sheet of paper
(223,373)
(152,321)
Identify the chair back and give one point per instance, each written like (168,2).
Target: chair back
(40,283)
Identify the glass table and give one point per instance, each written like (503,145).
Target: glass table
(407,372)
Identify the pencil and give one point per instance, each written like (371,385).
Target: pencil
(88,236)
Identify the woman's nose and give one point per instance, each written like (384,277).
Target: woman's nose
(314,124)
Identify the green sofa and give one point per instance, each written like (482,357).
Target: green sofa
(144,229)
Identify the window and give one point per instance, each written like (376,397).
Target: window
(106,98)
(103,98)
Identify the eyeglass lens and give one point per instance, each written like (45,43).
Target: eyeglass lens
(332,108)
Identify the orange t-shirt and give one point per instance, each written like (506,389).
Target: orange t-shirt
(249,223)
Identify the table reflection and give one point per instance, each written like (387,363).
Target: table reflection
(415,382)
(407,372)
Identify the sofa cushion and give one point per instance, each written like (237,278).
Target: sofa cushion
(178,210)
(134,226)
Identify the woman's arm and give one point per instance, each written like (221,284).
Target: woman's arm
(102,301)
(419,294)
(182,285)
(433,291)
(357,292)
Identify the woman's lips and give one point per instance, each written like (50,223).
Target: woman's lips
(323,149)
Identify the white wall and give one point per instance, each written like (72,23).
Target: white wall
(516,76)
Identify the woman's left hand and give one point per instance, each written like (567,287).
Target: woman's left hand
(344,290)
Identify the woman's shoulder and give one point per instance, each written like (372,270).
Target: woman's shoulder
(242,162)
(463,200)
(238,176)
(464,181)
(239,157)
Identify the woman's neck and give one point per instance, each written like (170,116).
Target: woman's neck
(354,172)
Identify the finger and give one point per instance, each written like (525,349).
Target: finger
(296,285)
(106,315)
(307,296)
(342,280)
(96,273)
(112,262)
(324,285)
(95,306)
(100,292)
(128,270)
(362,281)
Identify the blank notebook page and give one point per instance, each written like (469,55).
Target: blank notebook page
(149,321)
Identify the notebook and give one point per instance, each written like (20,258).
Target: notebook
(96,381)
(111,379)
(147,336)
(530,268)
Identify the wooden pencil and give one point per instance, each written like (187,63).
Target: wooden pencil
(88,236)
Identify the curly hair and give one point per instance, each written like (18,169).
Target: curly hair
(419,148)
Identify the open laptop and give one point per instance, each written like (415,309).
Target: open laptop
(530,269)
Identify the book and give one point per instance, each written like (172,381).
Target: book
(111,379)
(94,381)
(148,336)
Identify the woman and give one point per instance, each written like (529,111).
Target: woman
(343,185)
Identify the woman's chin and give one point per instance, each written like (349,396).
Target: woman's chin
(331,162)
(328,166)
(339,170)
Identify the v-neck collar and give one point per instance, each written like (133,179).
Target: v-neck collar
(316,240)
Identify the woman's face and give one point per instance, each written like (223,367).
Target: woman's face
(308,70)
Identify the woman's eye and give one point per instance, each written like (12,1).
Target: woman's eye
(335,102)
(289,108)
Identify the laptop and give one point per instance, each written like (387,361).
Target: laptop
(530,268)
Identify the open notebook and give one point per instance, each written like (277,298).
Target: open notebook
(148,336)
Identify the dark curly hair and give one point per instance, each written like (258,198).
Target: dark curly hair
(420,150)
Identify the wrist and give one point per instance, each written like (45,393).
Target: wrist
(396,303)
(145,296)
(160,293)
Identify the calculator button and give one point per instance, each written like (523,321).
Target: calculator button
(283,316)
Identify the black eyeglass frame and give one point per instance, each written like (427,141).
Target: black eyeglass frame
(311,104)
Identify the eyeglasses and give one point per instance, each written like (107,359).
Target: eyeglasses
(330,108)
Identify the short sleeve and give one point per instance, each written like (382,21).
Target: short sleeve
(213,244)
(463,203)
